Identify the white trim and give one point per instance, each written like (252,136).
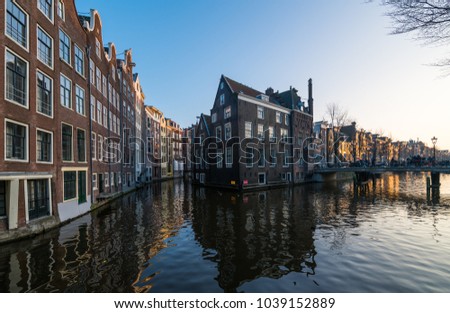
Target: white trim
(63,10)
(37,47)
(262,103)
(59,47)
(76,170)
(53,94)
(95,146)
(27,80)
(52,10)
(27,143)
(84,100)
(94,187)
(24,176)
(265,178)
(50,200)
(84,61)
(51,149)
(27,48)
(71,92)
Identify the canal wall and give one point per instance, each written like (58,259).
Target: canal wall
(331,177)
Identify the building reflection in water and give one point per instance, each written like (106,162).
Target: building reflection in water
(252,235)
(243,237)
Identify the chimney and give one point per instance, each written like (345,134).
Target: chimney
(310,97)
(269,91)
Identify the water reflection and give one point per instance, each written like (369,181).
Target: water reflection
(173,237)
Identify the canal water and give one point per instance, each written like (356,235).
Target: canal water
(174,237)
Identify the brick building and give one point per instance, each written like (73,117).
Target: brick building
(71,116)
(252,139)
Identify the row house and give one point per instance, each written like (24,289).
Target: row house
(71,115)
(153,139)
(252,139)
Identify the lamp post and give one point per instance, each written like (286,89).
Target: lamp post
(434,140)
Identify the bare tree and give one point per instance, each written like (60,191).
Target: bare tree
(336,117)
(428,20)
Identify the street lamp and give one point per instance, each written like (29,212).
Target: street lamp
(434,140)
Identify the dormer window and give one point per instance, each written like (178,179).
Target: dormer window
(263,97)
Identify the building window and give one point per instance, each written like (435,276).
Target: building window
(98,48)
(219,158)
(81,145)
(106,179)
(261,113)
(79,61)
(79,99)
(284,134)
(261,178)
(104,86)
(278,117)
(61,12)
(262,158)
(38,198)
(93,146)
(16,24)
(44,101)
(248,130)
(92,108)
(94,181)
(66,142)
(98,78)
(261,131)
(16,79)
(70,185)
(229,157)
(100,147)
(44,146)
(227,131)
(66,92)
(16,141)
(214,118)
(249,157)
(227,112)
(99,113)
(222,99)
(46,7)
(64,46)
(219,132)
(273,156)
(271,134)
(105,116)
(3,198)
(286,157)
(286,119)
(44,47)
(91,71)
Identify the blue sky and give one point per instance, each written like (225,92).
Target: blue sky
(182,47)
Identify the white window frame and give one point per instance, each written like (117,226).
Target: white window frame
(70,47)
(52,47)
(100,148)
(27,45)
(52,11)
(51,146)
(70,107)
(98,48)
(52,96)
(214,117)
(245,129)
(61,12)
(278,117)
(27,81)
(106,179)
(260,109)
(83,67)
(78,87)
(229,157)
(227,112)
(222,99)
(27,141)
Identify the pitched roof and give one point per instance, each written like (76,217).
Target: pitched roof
(240,88)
